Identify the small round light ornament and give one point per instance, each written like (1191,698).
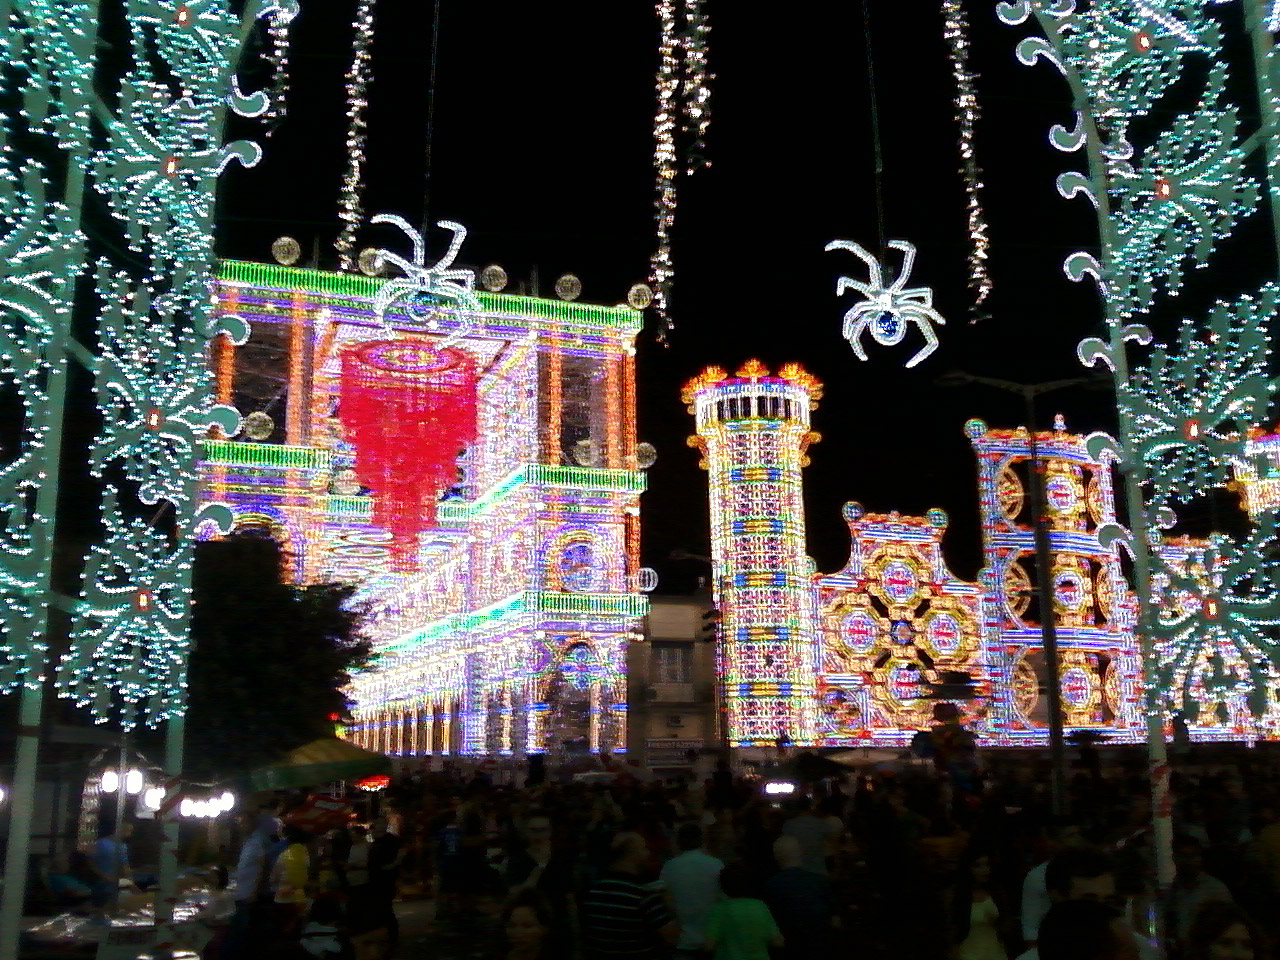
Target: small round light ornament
(585,454)
(639,296)
(646,579)
(493,278)
(286,251)
(568,287)
(345,483)
(370,261)
(258,426)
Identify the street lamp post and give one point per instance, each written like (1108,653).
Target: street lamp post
(1044,564)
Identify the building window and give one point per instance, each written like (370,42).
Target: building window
(672,663)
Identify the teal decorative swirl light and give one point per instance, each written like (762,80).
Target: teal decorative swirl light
(1188,405)
(1162,204)
(1167,191)
(147,138)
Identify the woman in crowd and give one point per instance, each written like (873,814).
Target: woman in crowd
(975,933)
(527,921)
(1222,931)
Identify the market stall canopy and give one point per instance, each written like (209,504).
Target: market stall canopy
(318,762)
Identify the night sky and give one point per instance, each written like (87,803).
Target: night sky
(543,148)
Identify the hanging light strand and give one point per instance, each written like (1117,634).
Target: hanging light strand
(684,109)
(956,32)
(696,85)
(350,200)
(278,57)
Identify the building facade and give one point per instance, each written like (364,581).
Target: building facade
(506,630)
(671,680)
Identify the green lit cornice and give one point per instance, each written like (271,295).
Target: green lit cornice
(321,283)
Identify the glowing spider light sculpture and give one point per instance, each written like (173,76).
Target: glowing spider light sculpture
(886,311)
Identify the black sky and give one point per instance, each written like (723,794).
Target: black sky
(543,148)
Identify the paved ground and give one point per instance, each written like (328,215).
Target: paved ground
(417,929)
(428,934)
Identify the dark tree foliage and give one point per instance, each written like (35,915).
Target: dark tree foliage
(268,659)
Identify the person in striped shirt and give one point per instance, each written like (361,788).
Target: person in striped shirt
(624,918)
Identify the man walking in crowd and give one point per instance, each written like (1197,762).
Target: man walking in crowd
(1081,874)
(385,856)
(692,882)
(800,901)
(623,918)
(251,893)
(1192,888)
(110,864)
(817,836)
(1060,834)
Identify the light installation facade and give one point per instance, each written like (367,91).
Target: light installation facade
(893,620)
(508,633)
(847,659)
(1093,608)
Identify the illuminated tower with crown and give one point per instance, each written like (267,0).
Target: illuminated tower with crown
(753,430)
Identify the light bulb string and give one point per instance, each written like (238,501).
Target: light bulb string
(351,200)
(956,33)
(683,110)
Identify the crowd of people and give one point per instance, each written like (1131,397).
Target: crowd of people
(903,864)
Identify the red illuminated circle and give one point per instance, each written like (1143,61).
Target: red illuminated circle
(944,634)
(900,582)
(1077,687)
(860,632)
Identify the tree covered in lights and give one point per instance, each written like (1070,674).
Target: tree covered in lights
(1167,172)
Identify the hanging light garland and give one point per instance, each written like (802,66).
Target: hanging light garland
(956,32)
(697,85)
(278,57)
(684,95)
(350,207)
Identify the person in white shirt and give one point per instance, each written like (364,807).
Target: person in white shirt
(1083,930)
(1059,834)
(818,836)
(692,880)
(1086,874)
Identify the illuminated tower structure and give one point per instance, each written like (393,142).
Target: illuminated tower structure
(508,633)
(753,431)
(1092,603)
